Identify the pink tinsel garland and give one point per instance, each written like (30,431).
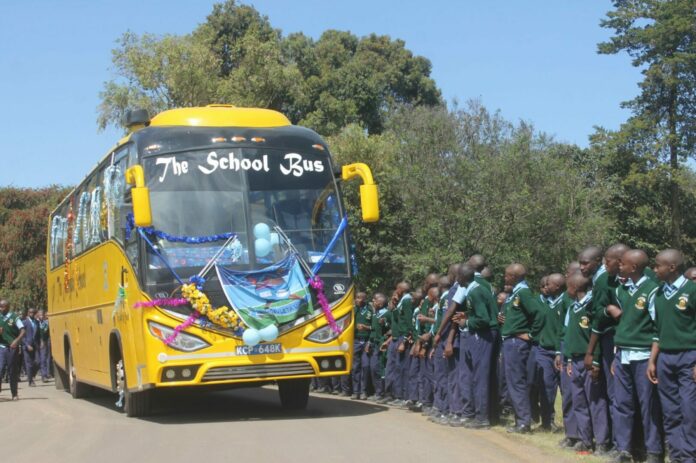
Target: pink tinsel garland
(173,302)
(318,286)
(188,322)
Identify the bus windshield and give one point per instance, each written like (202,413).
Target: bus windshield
(258,194)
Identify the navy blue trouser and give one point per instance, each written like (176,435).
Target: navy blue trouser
(516,353)
(31,362)
(478,361)
(606,341)
(405,359)
(502,382)
(678,398)
(589,404)
(533,383)
(359,378)
(9,360)
(45,358)
(636,396)
(425,383)
(570,424)
(395,365)
(375,370)
(440,383)
(548,379)
(466,380)
(413,378)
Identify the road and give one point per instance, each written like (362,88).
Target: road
(240,426)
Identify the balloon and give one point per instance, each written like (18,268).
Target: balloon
(263,247)
(269,333)
(251,337)
(261,230)
(275,239)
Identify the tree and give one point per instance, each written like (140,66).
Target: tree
(237,57)
(660,36)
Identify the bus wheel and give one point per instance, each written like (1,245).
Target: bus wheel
(61,380)
(77,389)
(294,393)
(133,404)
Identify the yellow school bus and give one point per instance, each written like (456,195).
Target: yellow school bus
(208,248)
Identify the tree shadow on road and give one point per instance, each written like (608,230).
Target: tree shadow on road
(238,405)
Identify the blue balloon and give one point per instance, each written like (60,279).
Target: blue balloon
(251,337)
(261,230)
(269,333)
(263,247)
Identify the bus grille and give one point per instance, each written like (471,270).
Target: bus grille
(258,371)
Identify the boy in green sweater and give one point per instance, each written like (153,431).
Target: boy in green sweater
(672,364)
(588,390)
(636,332)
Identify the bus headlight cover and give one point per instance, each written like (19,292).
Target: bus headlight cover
(326,334)
(184,341)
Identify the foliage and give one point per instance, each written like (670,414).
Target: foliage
(23,227)
(237,57)
(454,183)
(660,37)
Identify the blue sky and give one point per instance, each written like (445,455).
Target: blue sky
(534,60)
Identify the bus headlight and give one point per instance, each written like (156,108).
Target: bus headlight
(184,341)
(326,334)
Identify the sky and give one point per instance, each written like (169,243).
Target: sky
(534,60)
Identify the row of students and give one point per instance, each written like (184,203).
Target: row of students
(617,339)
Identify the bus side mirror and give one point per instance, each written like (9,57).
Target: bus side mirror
(141,196)
(369,197)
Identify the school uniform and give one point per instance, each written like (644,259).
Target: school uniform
(603,288)
(675,315)
(426,372)
(375,356)
(405,310)
(482,324)
(44,349)
(520,309)
(440,370)
(9,357)
(413,377)
(588,397)
(460,398)
(30,348)
(363,315)
(549,329)
(634,336)
(570,425)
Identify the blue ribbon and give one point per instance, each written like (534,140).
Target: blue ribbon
(130,226)
(332,244)
(161,257)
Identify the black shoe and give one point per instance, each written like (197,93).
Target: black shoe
(520,429)
(605,450)
(654,458)
(623,457)
(582,448)
(567,443)
(476,424)
(552,428)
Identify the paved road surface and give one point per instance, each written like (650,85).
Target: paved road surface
(239,426)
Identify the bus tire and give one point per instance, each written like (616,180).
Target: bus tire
(77,389)
(294,393)
(135,404)
(61,378)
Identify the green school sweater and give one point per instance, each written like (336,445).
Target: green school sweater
(363,315)
(605,287)
(481,308)
(440,312)
(520,309)
(404,317)
(550,323)
(420,328)
(483,282)
(577,327)
(636,328)
(377,333)
(9,328)
(675,316)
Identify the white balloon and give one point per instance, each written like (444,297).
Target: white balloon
(269,333)
(261,230)
(263,247)
(251,337)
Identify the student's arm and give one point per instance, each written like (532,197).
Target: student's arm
(449,350)
(16,342)
(445,319)
(652,363)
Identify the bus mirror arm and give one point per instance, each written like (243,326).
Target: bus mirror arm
(142,212)
(369,197)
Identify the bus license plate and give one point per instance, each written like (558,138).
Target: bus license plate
(260,349)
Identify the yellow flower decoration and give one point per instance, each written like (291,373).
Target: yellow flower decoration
(222,316)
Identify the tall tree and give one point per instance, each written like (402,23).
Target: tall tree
(660,37)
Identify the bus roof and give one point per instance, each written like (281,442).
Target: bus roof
(220,116)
